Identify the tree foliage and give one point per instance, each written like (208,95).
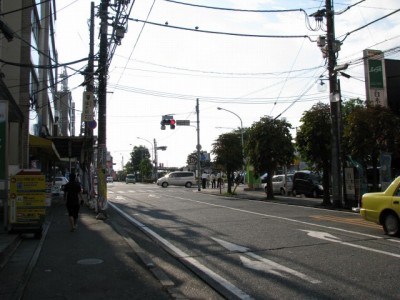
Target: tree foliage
(228,154)
(269,146)
(140,161)
(370,130)
(313,141)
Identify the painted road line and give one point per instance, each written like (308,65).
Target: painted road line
(262,264)
(331,238)
(231,288)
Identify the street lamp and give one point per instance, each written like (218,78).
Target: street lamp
(241,129)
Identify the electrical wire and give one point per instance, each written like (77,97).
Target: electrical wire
(23,8)
(370,23)
(136,42)
(235,9)
(42,66)
(225,33)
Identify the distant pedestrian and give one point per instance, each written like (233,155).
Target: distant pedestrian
(204,179)
(219,180)
(72,198)
(213,181)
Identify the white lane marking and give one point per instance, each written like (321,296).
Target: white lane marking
(261,263)
(182,255)
(287,219)
(331,238)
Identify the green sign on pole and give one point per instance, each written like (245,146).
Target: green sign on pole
(375,74)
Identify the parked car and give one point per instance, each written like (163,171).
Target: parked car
(280,186)
(109,179)
(186,179)
(307,183)
(130,178)
(383,208)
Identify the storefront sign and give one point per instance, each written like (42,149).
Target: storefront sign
(27,198)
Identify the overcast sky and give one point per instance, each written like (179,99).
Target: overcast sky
(160,70)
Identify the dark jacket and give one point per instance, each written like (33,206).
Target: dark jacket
(72,190)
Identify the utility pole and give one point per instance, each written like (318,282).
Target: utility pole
(198,147)
(102,102)
(155,160)
(89,81)
(334,105)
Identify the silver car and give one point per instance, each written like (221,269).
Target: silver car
(280,186)
(182,178)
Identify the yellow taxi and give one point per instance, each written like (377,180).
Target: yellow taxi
(384,208)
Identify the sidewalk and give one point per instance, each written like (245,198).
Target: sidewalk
(94,262)
(259,194)
(242,192)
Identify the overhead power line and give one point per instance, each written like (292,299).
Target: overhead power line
(224,33)
(370,23)
(236,9)
(42,66)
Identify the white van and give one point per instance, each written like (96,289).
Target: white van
(182,178)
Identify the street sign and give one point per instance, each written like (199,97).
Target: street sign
(183,122)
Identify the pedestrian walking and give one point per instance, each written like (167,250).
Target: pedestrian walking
(213,181)
(73,197)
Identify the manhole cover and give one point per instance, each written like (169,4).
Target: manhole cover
(90,261)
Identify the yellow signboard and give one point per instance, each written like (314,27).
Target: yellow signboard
(27,198)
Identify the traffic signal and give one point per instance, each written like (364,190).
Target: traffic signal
(167,120)
(172,124)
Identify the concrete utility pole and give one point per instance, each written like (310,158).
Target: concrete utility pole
(198,147)
(155,160)
(102,102)
(335,106)
(89,81)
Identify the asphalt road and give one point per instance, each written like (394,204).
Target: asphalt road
(250,249)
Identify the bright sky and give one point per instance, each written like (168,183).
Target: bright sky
(160,70)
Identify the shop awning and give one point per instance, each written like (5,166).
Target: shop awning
(71,146)
(43,147)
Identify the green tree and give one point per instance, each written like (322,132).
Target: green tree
(228,154)
(370,130)
(139,154)
(269,146)
(313,141)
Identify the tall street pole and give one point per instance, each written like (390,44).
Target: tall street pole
(334,105)
(89,80)
(102,101)
(198,147)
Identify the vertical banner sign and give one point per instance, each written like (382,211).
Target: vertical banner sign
(3,139)
(88,106)
(375,77)
(27,196)
(101,178)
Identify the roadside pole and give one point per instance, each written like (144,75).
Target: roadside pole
(198,146)
(102,102)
